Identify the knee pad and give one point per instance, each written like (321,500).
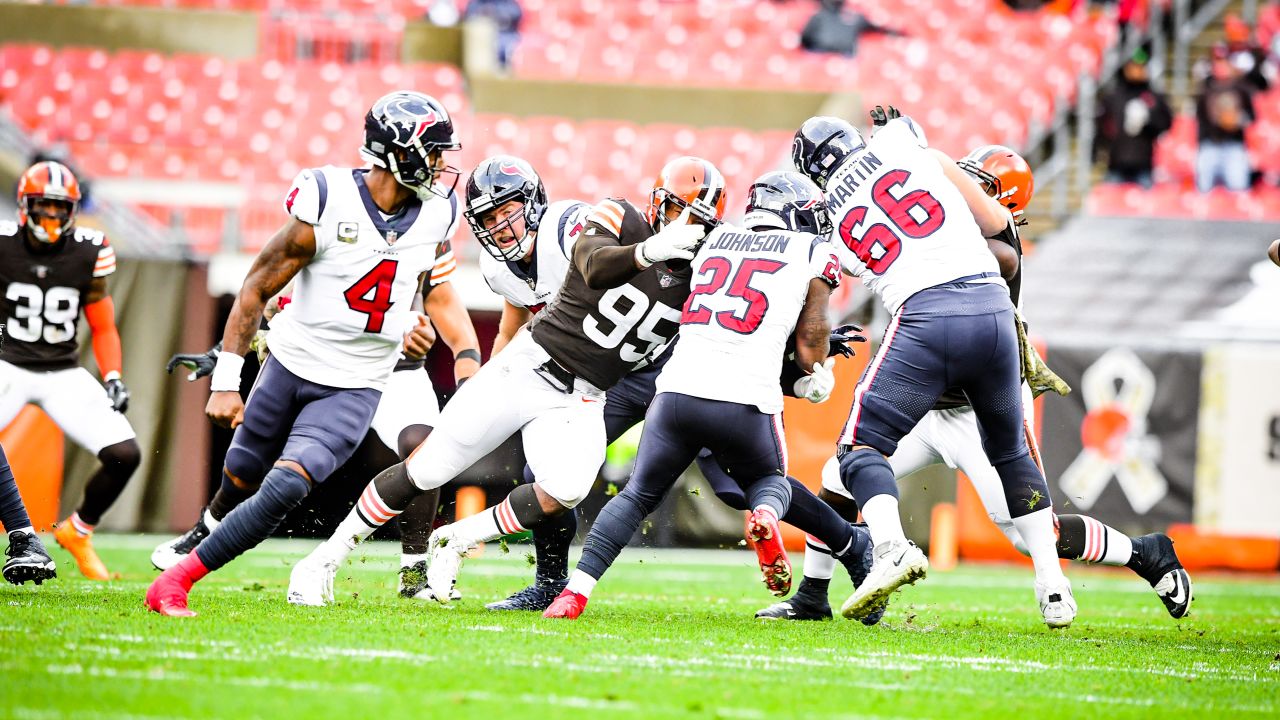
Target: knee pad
(283,490)
(865,473)
(410,438)
(318,460)
(245,466)
(831,478)
(121,459)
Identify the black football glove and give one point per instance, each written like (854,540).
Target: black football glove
(118,394)
(841,337)
(881,117)
(200,364)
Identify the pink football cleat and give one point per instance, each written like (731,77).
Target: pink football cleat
(762,528)
(567,605)
(168,593)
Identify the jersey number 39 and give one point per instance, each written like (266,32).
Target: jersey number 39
(38,314)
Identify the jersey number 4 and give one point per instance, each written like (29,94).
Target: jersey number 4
(916,214)
(743,323)
(377,282)
(50,315)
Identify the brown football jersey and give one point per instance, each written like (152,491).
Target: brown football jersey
(42,293)
(602,333)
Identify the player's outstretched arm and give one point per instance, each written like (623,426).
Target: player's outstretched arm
(514,317)
(100,312)
(448,313)
(992,217)
(813,329)
(288,251)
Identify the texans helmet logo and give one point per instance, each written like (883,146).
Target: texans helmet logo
(411,117)
(514,169)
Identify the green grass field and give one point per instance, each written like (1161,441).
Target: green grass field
(668,634)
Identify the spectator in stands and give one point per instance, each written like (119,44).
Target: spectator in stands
(506,14)
(1223,111)
(1269,27)
(835,30)
(1132,116)
(1248,56)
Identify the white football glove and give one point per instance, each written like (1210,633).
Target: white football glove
(817,387)
(677,240)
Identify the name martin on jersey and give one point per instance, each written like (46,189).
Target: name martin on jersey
(857,174)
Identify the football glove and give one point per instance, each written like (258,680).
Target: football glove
(1034,370)
(200,365)
(841,337)
(118,394)
(881,117)
(816,388)
(677,241)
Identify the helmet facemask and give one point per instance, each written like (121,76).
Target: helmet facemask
(662,201)
(48,218)
(420,168)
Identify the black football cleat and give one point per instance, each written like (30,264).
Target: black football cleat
(804,605)
(859,567)
(537,596)
(1158,564)
(171,553)
(28,560)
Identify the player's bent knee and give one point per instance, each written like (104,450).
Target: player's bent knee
(865,473)
(122,458)
(410,438)
(831,478)
(244,468)
(568,498)
(295,467)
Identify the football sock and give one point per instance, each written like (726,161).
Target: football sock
(1037,532)
(80,526)
(581,583)
(118,463)
(371,512)
(551,541)
(229,495)
(13,514)
(772,493)
(417,522)
(488,524)
(282,490)
(883,520)
(1081,537)
(817,519)
(819,564)
(408,560)
(813,589)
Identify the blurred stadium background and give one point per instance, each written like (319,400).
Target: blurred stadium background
(188,119)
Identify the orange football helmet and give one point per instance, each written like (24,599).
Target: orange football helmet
(48,180)
(688,182)
(1004,175)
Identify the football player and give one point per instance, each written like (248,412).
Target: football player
(51,270)
(949,434)
(27,558)
(614,310)
(720,388)
(912,225)
(358,242)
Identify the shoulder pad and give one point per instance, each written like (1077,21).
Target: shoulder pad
(307,196)
(8,227)
(95,237)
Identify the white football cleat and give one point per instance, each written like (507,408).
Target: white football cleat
(311,582)
(897,563)
(445,561)
(1057,604)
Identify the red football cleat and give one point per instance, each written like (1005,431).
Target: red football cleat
(762,528)
(168,593)
(567,605)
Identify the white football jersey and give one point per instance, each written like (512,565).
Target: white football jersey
(748,291)
(901,225)
(352,303)
(559,228)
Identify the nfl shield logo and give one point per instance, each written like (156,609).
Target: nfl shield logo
(42,271)
(666,280)
(391,237)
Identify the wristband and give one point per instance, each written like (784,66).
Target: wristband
(113,375)
(641,260)
(468,354)
(226,373)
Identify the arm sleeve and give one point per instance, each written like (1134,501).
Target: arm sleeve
(106,263)
(444,265)
(106,338)
(602,257)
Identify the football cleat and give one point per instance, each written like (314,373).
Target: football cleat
(311,582)
(897,563)
(801,606)
(537,596)
(28,560)
(81,548)
(858,568)
(168,595)
(168,554)
(413,583)
(568,605)
(1158,564)
(446,561)
(1057,604)
(762,528)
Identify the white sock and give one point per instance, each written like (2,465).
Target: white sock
(581,583)
(1037,532)
(210,521)
(489,524)
(369,514)
(819,563)
(28,530)
(881,514)
(408,560)
(767,509)
(1104,544)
